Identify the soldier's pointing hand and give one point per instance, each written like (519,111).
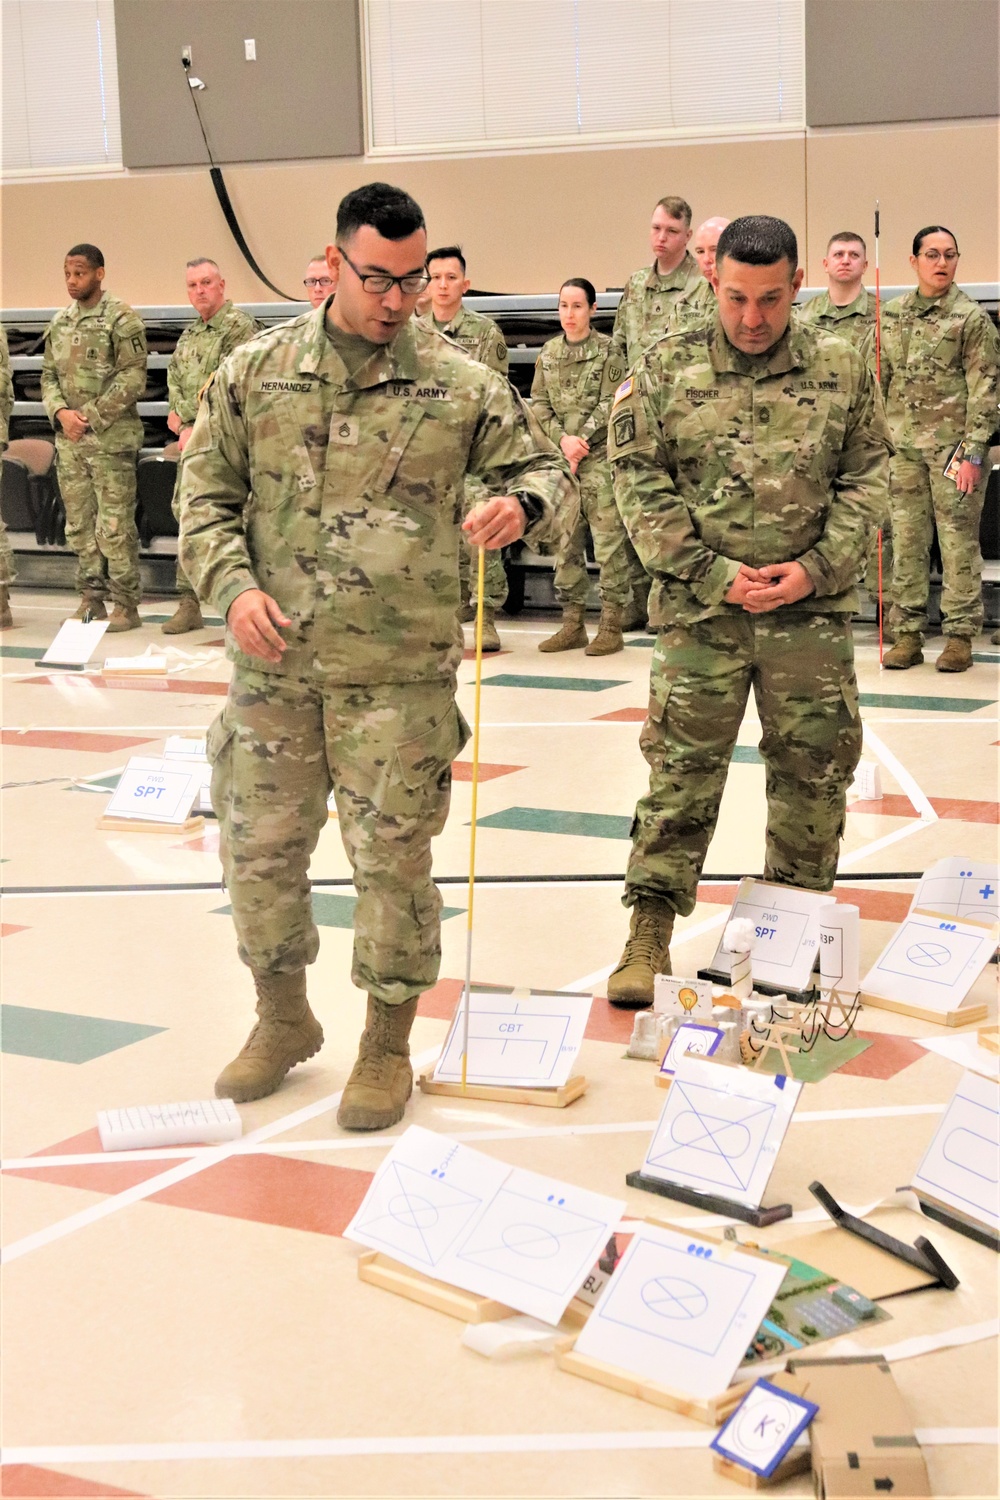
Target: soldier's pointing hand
(495,523)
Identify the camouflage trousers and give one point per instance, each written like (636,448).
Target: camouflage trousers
(98,490)
(801,669)
(278,749)
(181,579)
(922,496)
(495,580)
(600,514)
(7,574)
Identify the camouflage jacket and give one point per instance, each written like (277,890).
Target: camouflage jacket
(200,350)
(855,322)
(695,307)
(6,390)
(341,496)
(940,362)
(95,363)
(721,458)
(476,334)
(649,303)
(572,389)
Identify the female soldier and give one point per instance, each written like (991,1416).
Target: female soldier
(571,397)
(940,361)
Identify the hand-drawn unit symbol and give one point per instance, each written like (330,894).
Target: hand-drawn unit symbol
(417,1215)
(710,1136)
(518,1236)
(763,1425)
(670,1297)
(928,955)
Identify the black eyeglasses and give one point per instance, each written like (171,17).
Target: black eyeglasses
(380,282)
(317,281)
(935,255)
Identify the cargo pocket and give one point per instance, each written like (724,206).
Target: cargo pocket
(219,754)
(651,734)
(420,770)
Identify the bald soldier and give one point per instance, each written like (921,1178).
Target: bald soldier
(321,514)
(701,304)
(218,329)
(750,459)
(481,339)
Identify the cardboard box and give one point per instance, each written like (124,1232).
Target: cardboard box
(863,1441)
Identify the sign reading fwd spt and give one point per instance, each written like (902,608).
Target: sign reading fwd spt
(154,791)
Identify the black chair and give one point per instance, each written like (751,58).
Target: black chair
(17,505)
(37,457)
(155,478)
(989,526)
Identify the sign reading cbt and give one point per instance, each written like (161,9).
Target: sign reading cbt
(154,791)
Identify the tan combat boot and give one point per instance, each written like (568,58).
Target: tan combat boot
(905,653)
(956,656)
(995,638)
(609,638)
(635,615)
(647,953)
(491,638)
(381,1080)
(93,605)
(286,1033)
(571,634)
(6,618)
(124,617)
(187,616)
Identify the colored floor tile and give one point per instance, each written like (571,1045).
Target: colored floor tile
(874,906)
(282,1190)
(622,716)
(59,1036)
(470,654)
(22,653)
(330,909)
(141,685)
(62,739)
(548,820)
(887,1056)
(823,1058)
(554,684)
(646,642)
(8,929)
(925,705)
(957,809)
(461,770)
(28,1481)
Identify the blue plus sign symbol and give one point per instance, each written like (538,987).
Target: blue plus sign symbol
(987,891)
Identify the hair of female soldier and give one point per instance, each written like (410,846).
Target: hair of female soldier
(388,209)
(758,240)
(586,287)
(921,235)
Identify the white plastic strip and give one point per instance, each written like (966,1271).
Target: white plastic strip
(907,782)
(383,1447)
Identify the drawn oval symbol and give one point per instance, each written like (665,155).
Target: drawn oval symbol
(672,1297)
(530,1240)
(928,955)
(413,1213)
(703,1132)
(971,1152)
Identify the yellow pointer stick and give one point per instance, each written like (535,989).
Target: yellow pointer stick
(480,585)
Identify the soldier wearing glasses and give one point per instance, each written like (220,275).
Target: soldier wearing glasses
(322,516)
(940,360)
(319,281)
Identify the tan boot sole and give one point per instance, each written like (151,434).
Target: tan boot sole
(248,1092)
(365,1117)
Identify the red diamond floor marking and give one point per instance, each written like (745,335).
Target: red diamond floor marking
(622,716)
(461,770)
(206,843)
(875,906)
(25,1480)
(138,684)
(955,809)
(8,929)
(283,1190)
(469,654)
(439,1003)
(55,739)
(887,1056)
(608,1024)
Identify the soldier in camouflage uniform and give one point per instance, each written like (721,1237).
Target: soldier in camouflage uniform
(571,393)
(481,339)
(6,556)
(940,361)
(321,513)
(847,309)
(750,460)
(218,329)
(93,373)
(648,305)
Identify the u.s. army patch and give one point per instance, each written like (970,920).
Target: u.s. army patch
(624,429)
(344,430)
(625,389)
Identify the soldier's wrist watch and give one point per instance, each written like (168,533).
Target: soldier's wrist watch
(531,505)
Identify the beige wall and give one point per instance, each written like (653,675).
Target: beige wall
(526,222)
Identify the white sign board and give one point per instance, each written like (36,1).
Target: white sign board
(470,1220)
(766,1426)
(786,933)
(199,1122)
(74,643)
(840,947)
(673,996)
(721,1129)
(679,1311)
(154,791)
(932,961)
(690,1040)
(961,1166)
(960,888)
(516,1039)
(179,747)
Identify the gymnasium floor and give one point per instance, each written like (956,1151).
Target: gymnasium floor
(192,1324)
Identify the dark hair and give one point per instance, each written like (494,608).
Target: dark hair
(586,287)
(388,209)
(677,208)
(758,240)
(921,235)
(90,253)
(448,252)
(846,237)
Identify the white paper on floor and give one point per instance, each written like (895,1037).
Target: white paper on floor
(516,1039)
(961,1166)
